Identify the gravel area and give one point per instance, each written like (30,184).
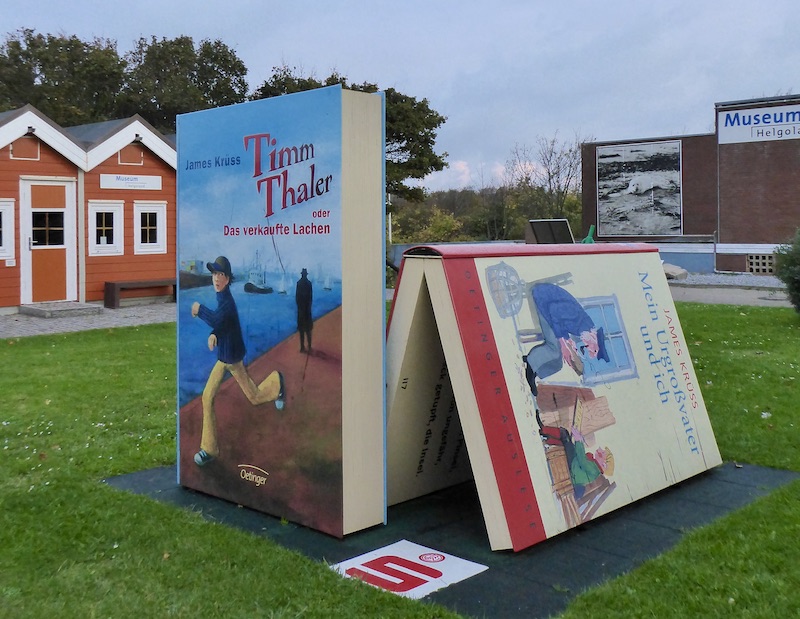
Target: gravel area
(738,280)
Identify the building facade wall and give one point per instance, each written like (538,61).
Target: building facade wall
(47,164)
(739,187)
(698,186)
(131,265)
(84,220)
(759,192)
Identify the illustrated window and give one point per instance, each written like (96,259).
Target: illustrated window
(150,227)
(106,228)
(604,312)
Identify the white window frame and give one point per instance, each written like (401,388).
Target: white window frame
(160,209)
(117,209)
(8,241)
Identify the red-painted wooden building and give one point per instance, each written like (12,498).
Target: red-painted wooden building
(81,206)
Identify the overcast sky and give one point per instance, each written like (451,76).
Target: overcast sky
(503,72)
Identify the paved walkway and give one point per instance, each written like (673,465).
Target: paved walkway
(730,295)
(21,325)
(64,319)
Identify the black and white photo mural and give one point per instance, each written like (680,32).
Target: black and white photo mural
(639,189)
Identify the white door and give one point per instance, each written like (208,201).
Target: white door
(48,240)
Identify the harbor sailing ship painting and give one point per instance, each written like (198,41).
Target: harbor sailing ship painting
(257,277)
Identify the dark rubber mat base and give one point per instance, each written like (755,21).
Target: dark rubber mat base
(537,582)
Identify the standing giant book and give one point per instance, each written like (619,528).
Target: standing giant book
(557,376)
(281,329)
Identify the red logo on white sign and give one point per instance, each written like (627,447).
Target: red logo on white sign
(404,568)
(411,574)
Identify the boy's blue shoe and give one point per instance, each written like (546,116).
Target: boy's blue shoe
(202,457)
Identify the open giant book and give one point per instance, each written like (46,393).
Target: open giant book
(557,376)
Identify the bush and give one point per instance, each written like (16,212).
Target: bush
(787,268)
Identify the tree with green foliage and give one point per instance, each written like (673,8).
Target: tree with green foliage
(220,75)
(75,82)
(419,222)
(442,227)
(466,205)
(787,268)
(411,126)
(71,81)
(168,77)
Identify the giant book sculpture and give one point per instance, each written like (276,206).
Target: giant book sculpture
(556,376)
(281,308)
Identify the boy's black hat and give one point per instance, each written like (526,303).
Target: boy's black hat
(221,265)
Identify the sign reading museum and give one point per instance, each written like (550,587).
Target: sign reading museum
(760,124)
(129,181)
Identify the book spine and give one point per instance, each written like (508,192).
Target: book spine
(494,404)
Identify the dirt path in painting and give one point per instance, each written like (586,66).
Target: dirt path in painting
(286,463)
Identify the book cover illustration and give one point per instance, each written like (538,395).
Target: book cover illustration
(603,391)
(260,305)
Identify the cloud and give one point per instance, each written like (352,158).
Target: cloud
(463,175)
(503,76)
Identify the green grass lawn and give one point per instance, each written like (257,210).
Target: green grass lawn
(748,563)
(76,408)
